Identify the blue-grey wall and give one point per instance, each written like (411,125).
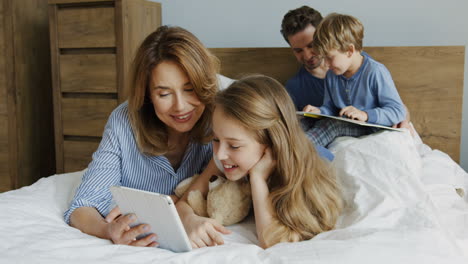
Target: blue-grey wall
(256,23)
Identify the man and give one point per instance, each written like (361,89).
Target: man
(307,86)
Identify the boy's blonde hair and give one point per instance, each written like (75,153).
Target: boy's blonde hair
(338,31)
(303,188)
(182,47)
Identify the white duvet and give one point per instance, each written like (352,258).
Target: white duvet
(401,207)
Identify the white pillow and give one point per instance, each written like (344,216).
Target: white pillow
(223,81)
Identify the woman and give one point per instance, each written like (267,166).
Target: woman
(257,135)
(155,139)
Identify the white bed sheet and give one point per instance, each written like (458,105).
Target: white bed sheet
(401,207)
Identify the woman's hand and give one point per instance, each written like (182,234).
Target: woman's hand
(354,113)
(264,166)
(204,232)
(119,231)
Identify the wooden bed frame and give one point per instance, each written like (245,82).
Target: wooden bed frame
(429,80)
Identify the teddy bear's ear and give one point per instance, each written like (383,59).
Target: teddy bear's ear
(213,178)
(215,181)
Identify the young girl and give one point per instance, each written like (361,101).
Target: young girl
(257,135)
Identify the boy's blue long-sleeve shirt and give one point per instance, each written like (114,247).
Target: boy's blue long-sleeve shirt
(370,89)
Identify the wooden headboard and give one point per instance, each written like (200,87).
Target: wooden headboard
(429,80)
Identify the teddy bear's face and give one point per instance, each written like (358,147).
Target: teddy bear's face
(235,146)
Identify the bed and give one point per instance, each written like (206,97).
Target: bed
(405,200)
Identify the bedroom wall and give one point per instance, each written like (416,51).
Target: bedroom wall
(245,23)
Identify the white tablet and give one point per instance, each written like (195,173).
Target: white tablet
(157,210)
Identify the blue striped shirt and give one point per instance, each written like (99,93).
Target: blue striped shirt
(118,161)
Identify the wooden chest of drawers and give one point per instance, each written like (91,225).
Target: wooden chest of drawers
(92,46)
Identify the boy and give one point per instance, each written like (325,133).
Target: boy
(356,86)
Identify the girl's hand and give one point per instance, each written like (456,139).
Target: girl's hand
(204,232)
(311,109)
(354,113)
(264,166)
(119,231)
(174,198)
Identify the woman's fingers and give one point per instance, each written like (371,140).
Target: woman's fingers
(148,241)
(121,233)
(132,234)
(118,227)
(113,214)
(123,223)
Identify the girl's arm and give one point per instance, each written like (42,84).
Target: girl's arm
(202,231)
(266,220)
(263,209)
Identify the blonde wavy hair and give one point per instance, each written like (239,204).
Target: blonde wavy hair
(182,47)
(303,188)
(338,31)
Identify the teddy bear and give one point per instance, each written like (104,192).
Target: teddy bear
(228,202)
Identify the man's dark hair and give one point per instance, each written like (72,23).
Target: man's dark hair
(298,19)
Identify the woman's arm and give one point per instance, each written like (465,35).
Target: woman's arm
(114,227)
(89,221)
(93,198)
(202,231)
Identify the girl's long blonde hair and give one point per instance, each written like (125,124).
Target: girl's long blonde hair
(303,187)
